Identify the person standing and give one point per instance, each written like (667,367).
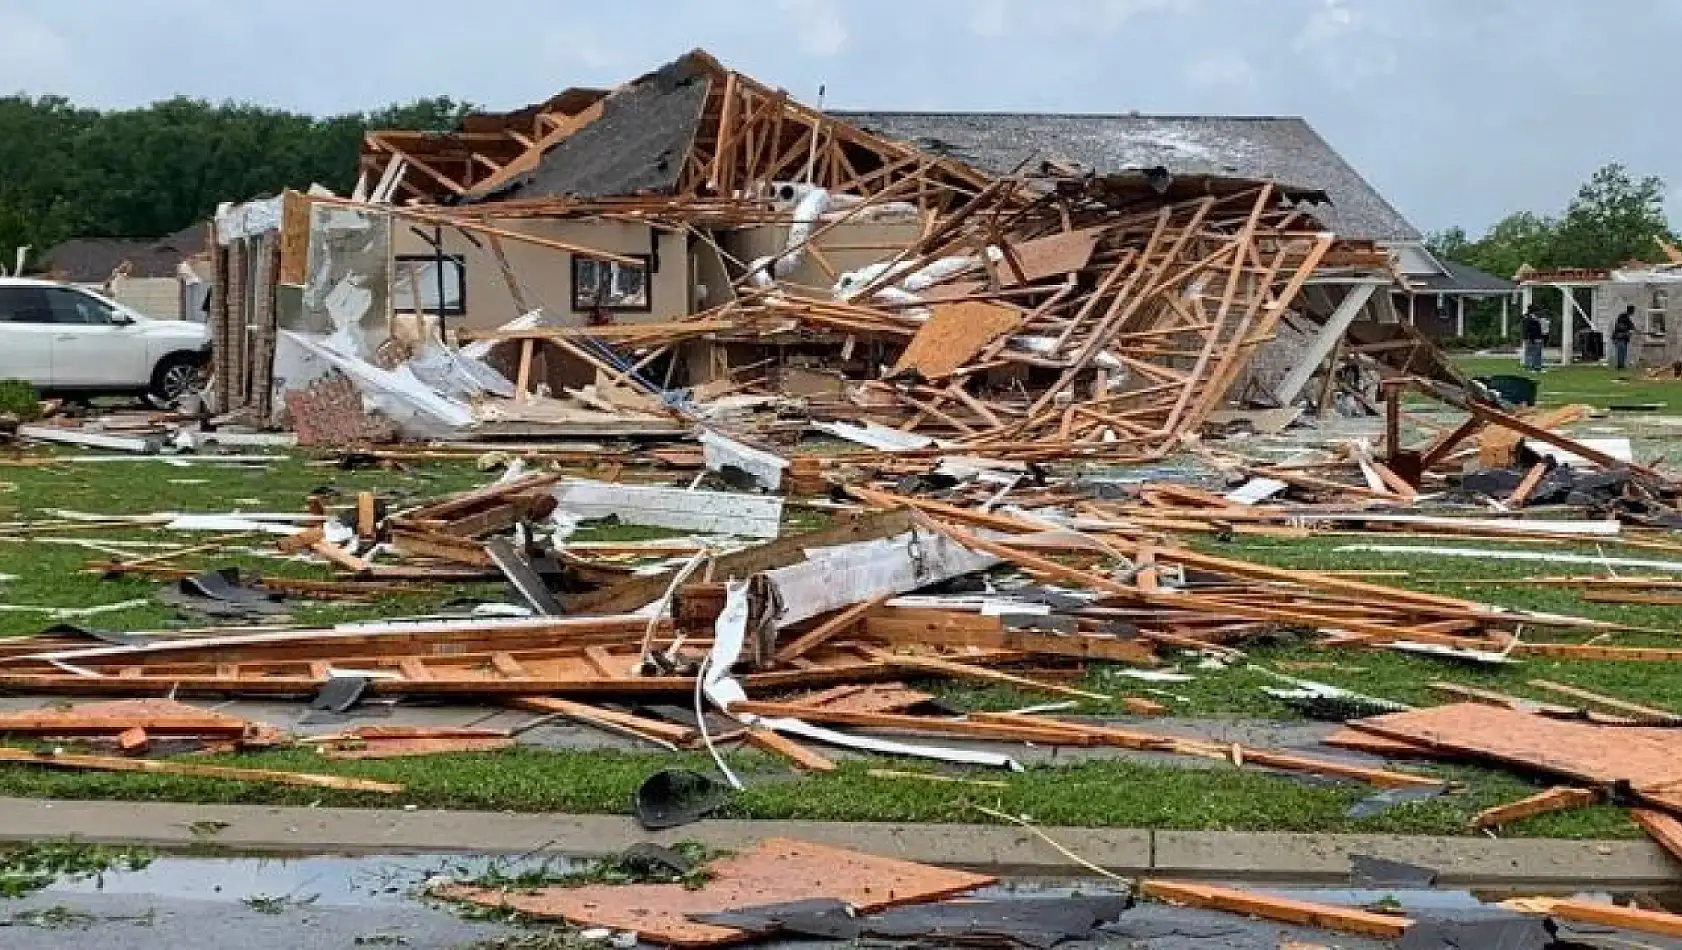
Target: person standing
(1623,330)
(1534,333)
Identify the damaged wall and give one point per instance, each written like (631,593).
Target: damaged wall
(545,274)
(846,247)
(347,287)
(1658,318)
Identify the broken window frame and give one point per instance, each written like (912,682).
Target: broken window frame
(423,267)
(583,265)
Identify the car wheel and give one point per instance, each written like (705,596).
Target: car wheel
(175,377)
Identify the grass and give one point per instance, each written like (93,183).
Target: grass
(1111,793)
(1115,793)
(35,867)
(1591,384)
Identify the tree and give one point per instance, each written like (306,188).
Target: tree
(1614,219)
(68,172)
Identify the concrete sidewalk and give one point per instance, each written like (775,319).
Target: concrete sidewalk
(1301,858)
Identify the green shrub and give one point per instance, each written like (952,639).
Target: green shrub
(19,399)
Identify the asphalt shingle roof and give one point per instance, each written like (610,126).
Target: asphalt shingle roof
(1287,150)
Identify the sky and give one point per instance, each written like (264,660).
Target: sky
(1458,111)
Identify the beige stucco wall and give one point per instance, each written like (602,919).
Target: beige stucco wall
(545,274)
(158,297)
(845,247)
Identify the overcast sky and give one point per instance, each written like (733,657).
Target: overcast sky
(1459,111)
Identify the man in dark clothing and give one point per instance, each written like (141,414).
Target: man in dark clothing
(1533,332)
(1623,330)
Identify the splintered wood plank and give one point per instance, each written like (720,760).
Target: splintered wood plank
(966,671)
(1267,907)
(954,334)
(775,871)
(1527,486)
(1664,829)
(1649,759)
(1376,745)
(642,725)
(375,746)
(1542,803)
(974,727)
(868,697)
(104,763)
(1608,915)
(899,625)
(366,524)
(158,716)
(839,623)
(1609,702)
(782,745)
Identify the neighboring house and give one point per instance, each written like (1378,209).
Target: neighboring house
(155,277)
(1435,291)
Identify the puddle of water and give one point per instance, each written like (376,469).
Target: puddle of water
(330,881)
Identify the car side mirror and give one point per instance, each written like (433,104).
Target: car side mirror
(122,320)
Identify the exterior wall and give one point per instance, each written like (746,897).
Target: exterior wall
(157,297)
(1421,311)
(1658,319)
(545,275)
(845,247)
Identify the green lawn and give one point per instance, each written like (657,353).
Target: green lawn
(1113,793)
(1595,385)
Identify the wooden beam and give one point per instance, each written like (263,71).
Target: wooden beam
(802,757)
(1301,913)
(839,623)
(1542,803)
(103,763)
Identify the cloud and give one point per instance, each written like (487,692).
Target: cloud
(1230,71)
(997,18)
(1330,22)
(817,25)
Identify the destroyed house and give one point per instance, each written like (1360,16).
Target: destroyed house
(619,256)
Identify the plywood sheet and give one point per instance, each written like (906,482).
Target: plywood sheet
(955,333)
(1650,759)
(1051,256)
(775,871)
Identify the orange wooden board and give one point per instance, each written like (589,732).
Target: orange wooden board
(157,716)
(1377,745)
(376,746)
(878,697)
(1050,256)
(775,871)
(955,333)
(1649,759)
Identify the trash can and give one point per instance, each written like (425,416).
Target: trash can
(1515,390)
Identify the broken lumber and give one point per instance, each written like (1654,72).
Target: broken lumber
(1562,798)
(104,763)
(1284,910)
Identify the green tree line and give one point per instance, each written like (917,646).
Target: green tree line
(1614,219)
(69,171)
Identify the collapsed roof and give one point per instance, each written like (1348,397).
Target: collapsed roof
(1283,149)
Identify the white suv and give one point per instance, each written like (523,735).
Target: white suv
(65,339)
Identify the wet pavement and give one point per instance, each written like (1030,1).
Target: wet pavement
(189,903)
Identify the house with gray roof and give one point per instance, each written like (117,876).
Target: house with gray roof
(1432,293)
